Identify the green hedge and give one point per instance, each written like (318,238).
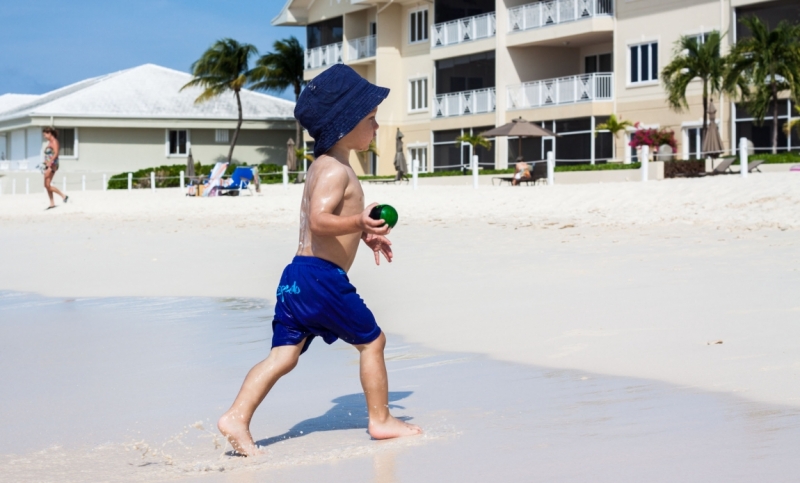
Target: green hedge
(776,158)
(597,167)
(141,178)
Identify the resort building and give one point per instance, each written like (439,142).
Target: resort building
(465,66)
(139,118)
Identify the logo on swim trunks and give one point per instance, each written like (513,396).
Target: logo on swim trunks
(284,289)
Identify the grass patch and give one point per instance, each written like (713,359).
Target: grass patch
(597,167)
(779,158)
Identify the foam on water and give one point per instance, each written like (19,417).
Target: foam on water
(129,390)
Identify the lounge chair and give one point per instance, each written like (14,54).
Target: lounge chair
(723,168)
(398,178)
(538,173)
(212,185)
(240,180)
(753,165)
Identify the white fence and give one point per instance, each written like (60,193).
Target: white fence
(326,55)
(564,90)
(541,14)
(465,102)
(464,30)
(361,48)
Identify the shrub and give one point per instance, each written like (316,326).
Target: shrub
(653,137)
(777,158)
(141,178)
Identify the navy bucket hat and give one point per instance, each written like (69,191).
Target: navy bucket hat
(333,103)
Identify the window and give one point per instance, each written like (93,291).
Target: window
(421,155)
(418,95)
(177,142)
(643,63)
(324,33)
(597,63)
(67,141)
(221,136)
(700,38)
(448,156)
(418,26)
(694,141)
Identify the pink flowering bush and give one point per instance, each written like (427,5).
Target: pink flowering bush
(653,138)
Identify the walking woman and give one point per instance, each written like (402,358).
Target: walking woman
(51,165)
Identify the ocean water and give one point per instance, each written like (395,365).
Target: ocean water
(129,389)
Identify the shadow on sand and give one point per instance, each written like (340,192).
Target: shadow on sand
(349,412)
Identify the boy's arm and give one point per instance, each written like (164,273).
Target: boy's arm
(326,195)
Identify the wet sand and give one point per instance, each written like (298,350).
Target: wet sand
(128,387)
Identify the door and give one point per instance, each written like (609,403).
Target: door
(548,144)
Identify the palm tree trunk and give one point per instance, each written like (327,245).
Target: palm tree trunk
(298,128)
(238,126)
(774,116)
(705,113)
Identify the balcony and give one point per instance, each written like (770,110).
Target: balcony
(464,30)
(324,56)
(564,90)
(478,101)
(361,48)
(553,12)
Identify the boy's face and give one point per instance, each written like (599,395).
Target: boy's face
(364,132)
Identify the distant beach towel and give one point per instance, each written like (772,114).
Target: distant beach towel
(795,168)
(214,179)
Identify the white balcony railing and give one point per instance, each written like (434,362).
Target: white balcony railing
(464,30)
(464,102)
(361,48)
(564,90)
(552,12)
(322,56)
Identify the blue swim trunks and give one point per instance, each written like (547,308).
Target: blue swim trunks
(315,298)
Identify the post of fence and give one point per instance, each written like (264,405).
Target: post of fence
(64,183)
(551,168)
(645,154)
(83,182)
(475,171)
(13,186)
(183,185)
(743,152)
(153,181)
(1,187)
(27,186)
(130,181)
(105,182)
(414,172)
(285,176)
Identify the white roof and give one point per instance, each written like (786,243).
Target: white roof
(10,101)
(148,91)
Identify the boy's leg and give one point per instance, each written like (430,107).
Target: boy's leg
(382,425)
(235,424)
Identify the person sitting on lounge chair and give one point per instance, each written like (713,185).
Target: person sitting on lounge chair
(522,170)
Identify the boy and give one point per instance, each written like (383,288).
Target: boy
(315,297)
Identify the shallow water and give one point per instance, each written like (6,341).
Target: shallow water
(127,389)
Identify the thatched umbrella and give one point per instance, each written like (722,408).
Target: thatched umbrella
(712,144)
(399,157)
(521,128)
(291,157)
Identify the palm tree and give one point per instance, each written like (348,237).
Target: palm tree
(222,68)
(787,128)
(278,70)
(764,65)
(614,126)
(473,140)
(692,60)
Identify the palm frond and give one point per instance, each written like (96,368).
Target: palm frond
(613,125)
(280,69)
(473,140)
(224,66)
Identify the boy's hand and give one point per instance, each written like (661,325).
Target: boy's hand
(379,244)
(373,227)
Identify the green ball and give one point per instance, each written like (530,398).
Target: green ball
(386,213)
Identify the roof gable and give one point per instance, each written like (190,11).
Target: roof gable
(148,91)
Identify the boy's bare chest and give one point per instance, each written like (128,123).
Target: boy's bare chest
(353,200)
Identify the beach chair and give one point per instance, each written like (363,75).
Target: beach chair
(538,173)
(723,168)
(214,179)
(240,180)
(398,178)
(753,165)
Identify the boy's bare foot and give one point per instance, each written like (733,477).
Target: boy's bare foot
(392,428)
(238,434)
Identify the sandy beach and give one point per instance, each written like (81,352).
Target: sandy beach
(687,287)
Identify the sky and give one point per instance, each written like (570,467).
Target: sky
(47,45)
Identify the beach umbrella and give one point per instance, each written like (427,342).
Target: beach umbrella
(190,165)
(712,144)
(291,157)
(521,128)
(399,157)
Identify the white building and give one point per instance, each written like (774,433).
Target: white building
(139,118)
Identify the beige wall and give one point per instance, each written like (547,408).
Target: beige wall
(129,149)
